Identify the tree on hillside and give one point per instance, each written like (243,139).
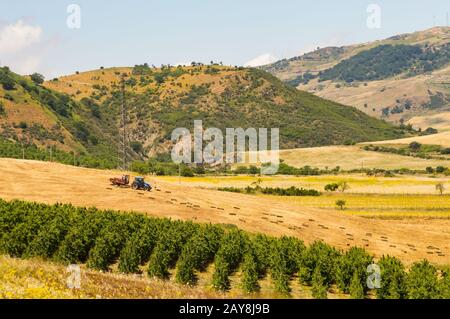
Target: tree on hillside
(37,78)
(385,111)
(159,78)
(137,147)
(440,188)
(6,81)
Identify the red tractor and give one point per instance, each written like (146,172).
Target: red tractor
(121,182)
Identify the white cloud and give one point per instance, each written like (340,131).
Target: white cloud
(18,36)
(23,47)
(263,59)
(27,65)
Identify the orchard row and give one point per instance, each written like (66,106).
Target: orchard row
(137,243)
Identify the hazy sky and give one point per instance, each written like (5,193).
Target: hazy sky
(34,35)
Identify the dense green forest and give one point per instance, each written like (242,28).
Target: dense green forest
(387,60)
(137,243)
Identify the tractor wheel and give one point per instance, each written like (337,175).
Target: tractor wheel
(134,186)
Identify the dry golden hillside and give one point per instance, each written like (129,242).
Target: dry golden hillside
(83,84)
(25,118)
(440,120)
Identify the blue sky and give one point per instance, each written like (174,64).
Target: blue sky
(34,35)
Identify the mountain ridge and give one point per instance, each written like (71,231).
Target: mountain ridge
(404,91)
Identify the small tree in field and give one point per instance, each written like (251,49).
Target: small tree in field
(440,188)
(331,187)
(340,203)
(343,186)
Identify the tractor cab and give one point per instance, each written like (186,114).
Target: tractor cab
(139,183)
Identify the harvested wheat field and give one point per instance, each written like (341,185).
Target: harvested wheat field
(442,139)
(354,157)
(360,184)
(410,240)
(439,120)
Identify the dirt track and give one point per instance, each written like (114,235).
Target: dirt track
(410,240)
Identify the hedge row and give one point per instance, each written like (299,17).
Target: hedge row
(291,191)
(137,243)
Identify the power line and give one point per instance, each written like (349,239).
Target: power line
(123,141)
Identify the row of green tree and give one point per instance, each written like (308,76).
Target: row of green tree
(290,191)
(137,243)
(414,149)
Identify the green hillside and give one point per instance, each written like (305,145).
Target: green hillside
(81,113)
(160,100)
(36,118)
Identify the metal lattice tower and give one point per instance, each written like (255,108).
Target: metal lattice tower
(122,156)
